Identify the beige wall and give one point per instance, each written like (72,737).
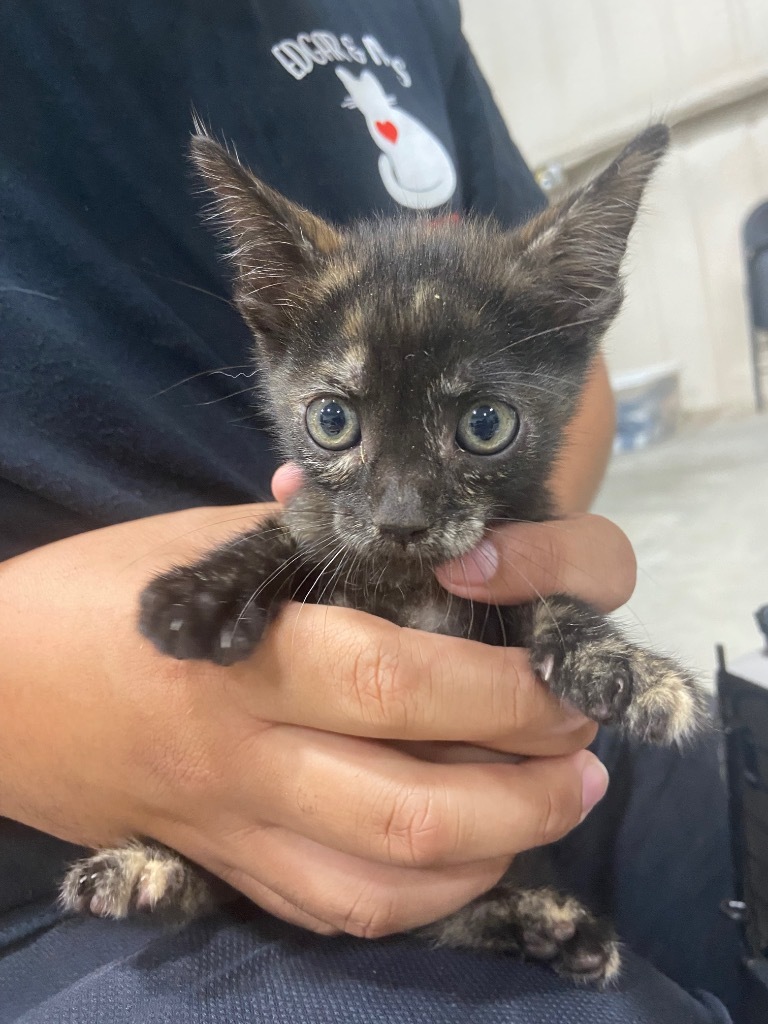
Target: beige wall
(575,78)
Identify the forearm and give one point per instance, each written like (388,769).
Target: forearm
(589,440)
(75,683)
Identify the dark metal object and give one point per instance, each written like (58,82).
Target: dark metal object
(743,695)
(761,615)
(756,257)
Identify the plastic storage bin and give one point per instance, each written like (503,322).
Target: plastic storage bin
(647,406)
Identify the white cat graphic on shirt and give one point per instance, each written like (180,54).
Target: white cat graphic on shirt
(414,165)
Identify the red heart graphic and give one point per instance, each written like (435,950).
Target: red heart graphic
(387,129)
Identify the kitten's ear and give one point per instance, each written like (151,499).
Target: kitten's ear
(274,244)
(576,247)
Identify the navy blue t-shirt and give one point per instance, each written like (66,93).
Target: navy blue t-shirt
(111,291)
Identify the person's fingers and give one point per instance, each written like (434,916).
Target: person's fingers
(273,902)
(386,682)
(340,892)
(586,556)
(379,803)
(286,481)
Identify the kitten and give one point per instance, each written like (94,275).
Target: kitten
(422,374)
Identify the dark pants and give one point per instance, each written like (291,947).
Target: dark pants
(221,971)
(654,855)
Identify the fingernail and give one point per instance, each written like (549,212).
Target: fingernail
(479,566)
(594,783)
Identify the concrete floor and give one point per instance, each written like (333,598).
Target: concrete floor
(696,509)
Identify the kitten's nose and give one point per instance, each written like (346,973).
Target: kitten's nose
(403,532)
(399,512)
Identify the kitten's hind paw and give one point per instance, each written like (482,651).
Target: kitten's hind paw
(561,931)
(537,924)
(129,879)
(188,615)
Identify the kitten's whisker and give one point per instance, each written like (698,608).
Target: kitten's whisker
(357,562)
(203,373)
(523,553)
(471,602)
(192,287)
(551,523)
(489,604)
(500,616)
(310,587)
(226,398)
(537,592)
(337,570)
(543,333)
(265,583)
(299,556)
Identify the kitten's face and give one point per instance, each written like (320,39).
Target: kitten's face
(419,393)
(422,373)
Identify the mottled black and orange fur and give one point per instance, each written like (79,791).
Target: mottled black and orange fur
(409,320)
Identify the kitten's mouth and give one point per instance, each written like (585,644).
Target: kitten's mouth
(426,548)
(420,547)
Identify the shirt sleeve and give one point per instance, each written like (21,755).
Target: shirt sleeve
(496,180)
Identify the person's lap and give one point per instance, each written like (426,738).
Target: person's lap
(226,971)
(654,855)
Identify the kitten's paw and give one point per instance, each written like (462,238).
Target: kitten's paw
(559,930)
(598,683)
(668,705)
(584,658)
(189,616)
(538,924)
(119,882)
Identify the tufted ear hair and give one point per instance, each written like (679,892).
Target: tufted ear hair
(274,244)
(575,248)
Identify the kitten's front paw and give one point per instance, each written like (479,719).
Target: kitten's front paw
(586,660)
(190,616)
(668,705)
(117,883)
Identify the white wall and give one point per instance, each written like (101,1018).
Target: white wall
(575,78)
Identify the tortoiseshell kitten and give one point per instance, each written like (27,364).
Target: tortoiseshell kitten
(422,374)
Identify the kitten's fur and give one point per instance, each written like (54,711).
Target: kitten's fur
(411,322)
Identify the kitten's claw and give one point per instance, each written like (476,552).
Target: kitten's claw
(585,660)
(546,668)
(189,616)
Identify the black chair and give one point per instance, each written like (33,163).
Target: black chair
(756,256)
(743,696)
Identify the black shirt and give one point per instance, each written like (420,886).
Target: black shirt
(111,291)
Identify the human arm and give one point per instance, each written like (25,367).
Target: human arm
(589,440)
(272,773)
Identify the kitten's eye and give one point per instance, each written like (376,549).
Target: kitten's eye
(332,423)
(487,428)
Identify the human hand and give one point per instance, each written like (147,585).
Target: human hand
(273,774)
